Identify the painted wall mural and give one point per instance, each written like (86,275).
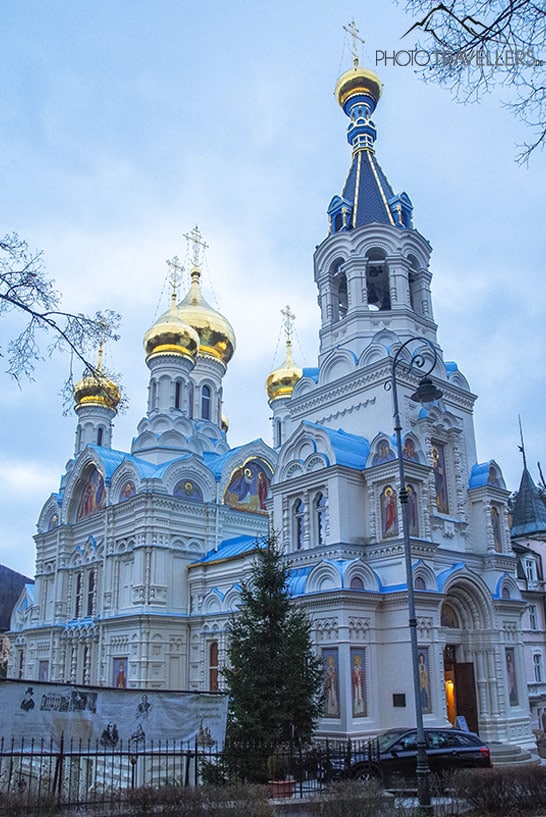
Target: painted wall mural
(358,682)
(93,494)
(248,487)
(187,489)
(331,683)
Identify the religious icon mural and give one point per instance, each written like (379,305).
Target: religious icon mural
(511,677)
(389,513)
(331,683)
(492,477)
(93,494)
(413,510)
(408,450)
(358,690)
(53,522)
(384,453)
(187,489)
(120,673)
(424,680)
(248,487)
(440,482)
(448,617)
(496,525)
(127,491)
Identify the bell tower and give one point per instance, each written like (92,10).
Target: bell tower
(372,270)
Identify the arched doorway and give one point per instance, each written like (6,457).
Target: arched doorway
(465,619)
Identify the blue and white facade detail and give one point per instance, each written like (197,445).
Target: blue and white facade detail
(141,555)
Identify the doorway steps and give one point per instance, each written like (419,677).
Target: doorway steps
(507,754)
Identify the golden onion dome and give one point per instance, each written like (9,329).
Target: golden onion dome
(171,335)
(95,389)
(357,81)
(281,381)
(216,335)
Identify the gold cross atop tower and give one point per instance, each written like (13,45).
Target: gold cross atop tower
(199,246)
(351,29)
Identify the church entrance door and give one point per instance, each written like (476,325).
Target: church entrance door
(460,688)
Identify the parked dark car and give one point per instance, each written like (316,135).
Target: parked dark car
(393,755)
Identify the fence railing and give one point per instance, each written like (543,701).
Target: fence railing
(82,774)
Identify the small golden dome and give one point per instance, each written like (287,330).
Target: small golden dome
(358,81)
(281,381)
(95,389)
(171,335)
(225,423)
(216,335)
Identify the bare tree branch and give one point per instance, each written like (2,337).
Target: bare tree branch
(26,289)
(478,45)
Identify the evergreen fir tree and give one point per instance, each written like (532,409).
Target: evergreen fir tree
(274,677)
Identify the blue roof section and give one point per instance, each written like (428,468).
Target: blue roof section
(445,574)
(230,548)
(312,372)
(479,475)
(451,367)
(297,580)
(112,459)
(351,450)
(370,199)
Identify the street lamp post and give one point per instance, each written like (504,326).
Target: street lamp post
(426,394)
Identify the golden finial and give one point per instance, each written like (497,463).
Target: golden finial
(199,245)
(352,30)
(281,381)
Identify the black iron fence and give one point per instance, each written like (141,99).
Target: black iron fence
(76,774)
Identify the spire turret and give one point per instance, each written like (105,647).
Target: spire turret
(96,399)
(281,381)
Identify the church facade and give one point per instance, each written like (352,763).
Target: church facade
(140,555)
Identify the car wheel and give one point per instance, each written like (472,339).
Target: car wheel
(365,772)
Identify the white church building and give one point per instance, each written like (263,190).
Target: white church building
(140,554)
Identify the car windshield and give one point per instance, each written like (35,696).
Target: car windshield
(387,739)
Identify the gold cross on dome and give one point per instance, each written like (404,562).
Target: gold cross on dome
(288,321)
(199,245)
(176,269)
(351,29)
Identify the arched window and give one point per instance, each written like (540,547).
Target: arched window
(299,524)
(420,583)
(342,297)
(100,435)
(178,394)
(357,583)
(91,593)
(413,282)
(278,433)
(205,402)
(213,666)
(377,280)
(320,517)
(537,665)
(153,395)
(78,597)
(190,400)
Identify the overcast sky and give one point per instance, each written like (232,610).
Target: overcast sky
(123,124)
